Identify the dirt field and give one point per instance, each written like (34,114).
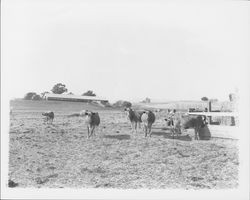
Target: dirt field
(60,155)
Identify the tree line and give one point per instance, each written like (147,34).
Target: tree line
(58,88)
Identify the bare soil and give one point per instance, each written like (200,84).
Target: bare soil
(60,155)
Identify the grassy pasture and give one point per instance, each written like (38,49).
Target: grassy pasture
(60,155)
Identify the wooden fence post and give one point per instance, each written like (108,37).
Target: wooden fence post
(209,110)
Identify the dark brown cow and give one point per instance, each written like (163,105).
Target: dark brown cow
(92,120)
(197,123)
(49,116)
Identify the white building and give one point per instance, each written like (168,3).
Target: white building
(78,98)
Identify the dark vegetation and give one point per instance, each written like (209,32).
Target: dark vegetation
(122,104)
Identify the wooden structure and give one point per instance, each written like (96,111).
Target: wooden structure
(75,98)
(209,113)
(219,130)
(215,114)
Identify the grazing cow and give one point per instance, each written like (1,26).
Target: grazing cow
(197,123)
(134,117)
(147,118)
(92,120)
(170,117)
(49,116)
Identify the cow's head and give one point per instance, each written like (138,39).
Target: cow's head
(146,111)
(128,111)
(89,113)
(45,114)
(202,121)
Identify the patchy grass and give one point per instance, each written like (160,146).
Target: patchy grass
(60,155)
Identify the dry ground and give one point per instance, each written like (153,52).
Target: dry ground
(60,155)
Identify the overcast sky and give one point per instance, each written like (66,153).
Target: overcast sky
(125,50)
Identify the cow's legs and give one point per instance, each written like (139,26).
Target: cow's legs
(196,133)
(92,130)
(46,120)
(178,131)
(135,127)
(88,131)
(146,130)
(94,133)
(132,127)
(143,128)
(172,131)
(149,130)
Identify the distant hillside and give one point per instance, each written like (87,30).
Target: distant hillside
(57,106)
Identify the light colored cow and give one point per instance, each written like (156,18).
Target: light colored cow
(147,118)
(174,121)
(134,117)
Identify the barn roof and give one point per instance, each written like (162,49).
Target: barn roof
(67,96)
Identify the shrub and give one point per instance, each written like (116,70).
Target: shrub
(204,99)
(32,96)
(36,97)
(147,100)
(59,88)
(43,94)
(121,103)
(232,97)
(29,95)
(89,93)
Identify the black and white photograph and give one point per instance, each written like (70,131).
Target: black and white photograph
(124,99)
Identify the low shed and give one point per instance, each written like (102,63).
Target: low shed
(77,98)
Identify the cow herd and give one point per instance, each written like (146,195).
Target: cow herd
(177,122)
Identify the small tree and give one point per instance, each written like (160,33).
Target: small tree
(70,93)
(36,97)
(204,99)
(147,100)
(121,103)
(231,97)
(59,88)
(44,93)
(126,104)
(29,95)
(89,93)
